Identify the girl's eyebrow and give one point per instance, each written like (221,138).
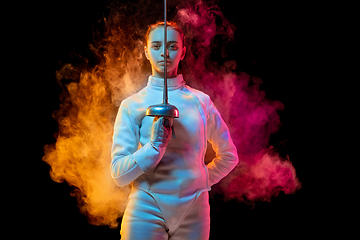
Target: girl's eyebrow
(161,42)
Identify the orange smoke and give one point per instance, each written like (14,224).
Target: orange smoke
(92,95)
(81,155)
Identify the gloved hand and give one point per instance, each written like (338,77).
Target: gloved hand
(161,131)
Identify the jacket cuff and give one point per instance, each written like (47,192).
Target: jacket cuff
(147,157)
(129,176)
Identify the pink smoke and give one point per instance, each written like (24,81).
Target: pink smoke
(251,117)
(262,177)
(81,155)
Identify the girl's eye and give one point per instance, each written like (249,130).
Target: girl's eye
(156,47)
(173,47)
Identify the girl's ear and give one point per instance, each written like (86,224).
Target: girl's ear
(183,53)
(146,53)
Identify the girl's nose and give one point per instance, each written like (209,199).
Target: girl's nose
(167,53)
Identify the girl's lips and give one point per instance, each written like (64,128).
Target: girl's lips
(162,62)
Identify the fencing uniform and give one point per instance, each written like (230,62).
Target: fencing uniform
(169,199)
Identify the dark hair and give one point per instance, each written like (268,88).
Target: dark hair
(171,24)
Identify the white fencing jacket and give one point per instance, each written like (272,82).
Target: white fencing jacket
(175,175)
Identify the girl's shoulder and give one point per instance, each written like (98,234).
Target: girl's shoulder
(135,99)
(203,97)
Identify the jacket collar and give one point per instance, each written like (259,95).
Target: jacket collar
(172,83)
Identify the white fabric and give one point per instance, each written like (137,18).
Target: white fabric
(143,220)
(174,175)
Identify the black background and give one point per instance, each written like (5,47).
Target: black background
(276,42)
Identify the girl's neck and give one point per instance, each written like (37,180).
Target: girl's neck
(161,74)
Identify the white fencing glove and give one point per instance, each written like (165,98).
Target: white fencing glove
(161,131)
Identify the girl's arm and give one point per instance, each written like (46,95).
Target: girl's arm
(129,162)
(219,136)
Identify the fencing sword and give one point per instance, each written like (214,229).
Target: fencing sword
(164,109)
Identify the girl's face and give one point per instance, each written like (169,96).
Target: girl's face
(154,51)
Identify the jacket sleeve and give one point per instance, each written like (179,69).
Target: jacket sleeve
(128,162)
(219,136)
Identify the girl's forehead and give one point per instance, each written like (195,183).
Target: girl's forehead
(158,35)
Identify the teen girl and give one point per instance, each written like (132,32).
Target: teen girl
(170,181)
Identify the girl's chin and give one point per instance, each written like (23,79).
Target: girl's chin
(161,70)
